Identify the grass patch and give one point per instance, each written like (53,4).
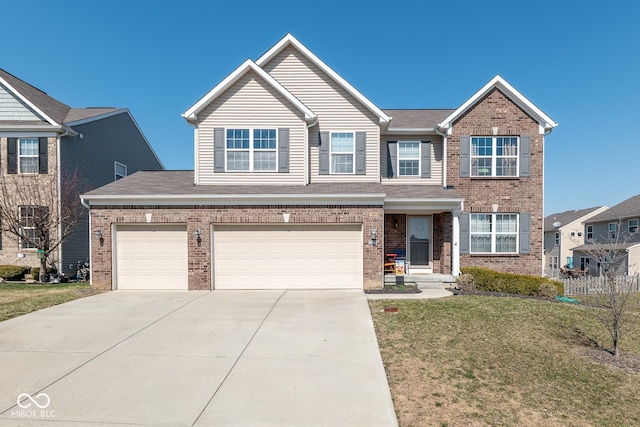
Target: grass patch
(474,360)
(17,299)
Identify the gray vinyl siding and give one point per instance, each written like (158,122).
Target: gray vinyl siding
(436,160)
(251,103)
(336,109)
(601,231)
(12,108)
(104,141)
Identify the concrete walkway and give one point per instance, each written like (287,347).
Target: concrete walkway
(425,294)
(222,358)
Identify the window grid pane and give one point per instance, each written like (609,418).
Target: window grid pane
(342,156)
(494,233)
(238,160)
(409,168)
(264,139)
(264,161)
(238,139)
(342,163)
(342,142)
(494,156)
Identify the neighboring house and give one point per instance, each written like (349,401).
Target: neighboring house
(301,181)
(43,138)
(564,231)
(614,229)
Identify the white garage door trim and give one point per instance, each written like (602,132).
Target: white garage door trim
(288,256)
(150,257)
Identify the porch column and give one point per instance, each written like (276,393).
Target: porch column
(455,244)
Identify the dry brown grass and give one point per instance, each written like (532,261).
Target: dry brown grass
(477,361)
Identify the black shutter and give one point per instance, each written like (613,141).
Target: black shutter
(465,156)
(465,236)
(361,153)
(324,153)
(525,155)
(525,233)
(392,158)
(12,155)
(283,150)
(43,156)
(425,153)
(218,150)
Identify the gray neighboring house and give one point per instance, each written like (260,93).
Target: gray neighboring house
(616,228)
(101,144)
(563,231)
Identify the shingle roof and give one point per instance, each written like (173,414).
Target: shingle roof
(616,246)
(53,108)
(416,119)
(566,217)
(626,209)
(180,183)
(76,114)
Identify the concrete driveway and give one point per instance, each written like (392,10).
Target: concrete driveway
(222,358)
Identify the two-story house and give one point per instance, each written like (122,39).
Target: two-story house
(44,140)
(564,231)
(301,181)
(612,233)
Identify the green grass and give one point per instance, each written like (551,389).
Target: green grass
(502,361)
(17,299)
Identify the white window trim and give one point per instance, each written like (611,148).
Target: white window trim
(30,156)
(419,159)
(589,231)
(494,156)
(251,150)
(353,153)
(614,234)
(494,233)
(637,225)
(557,238)
(20,243)
(115,170)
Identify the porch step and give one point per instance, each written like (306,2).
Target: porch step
(424,281)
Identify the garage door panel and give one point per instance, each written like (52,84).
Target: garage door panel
(287,256)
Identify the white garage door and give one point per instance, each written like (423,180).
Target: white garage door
(287,256)
(151,257)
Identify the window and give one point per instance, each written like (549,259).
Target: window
(613,229)
(494,156)
(557,242)
(633,225)
(31,223)
(584,263)
(28,155)
(409,158)
(342,148)
(120,170)
(589,232)
(251,150)
(494,233)
(553,262)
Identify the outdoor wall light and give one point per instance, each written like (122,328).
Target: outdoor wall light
(196,234)
(374,237)
(99,235)
(396,223)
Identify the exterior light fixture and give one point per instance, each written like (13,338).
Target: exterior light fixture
(396,223)
(196,234)
(99,235)
(374,237)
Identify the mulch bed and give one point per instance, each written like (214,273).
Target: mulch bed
(395,289)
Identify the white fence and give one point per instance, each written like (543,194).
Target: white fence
(595,285)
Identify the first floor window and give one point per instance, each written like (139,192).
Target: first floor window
(494,233)
(494,156)
(408,158)
(553,262)
(633,225)
(584,263)
(32,219)
(28,155)
(342,148)
(251,150)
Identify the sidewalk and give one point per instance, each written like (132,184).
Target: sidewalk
(425,294)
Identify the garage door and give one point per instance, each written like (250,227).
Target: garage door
(287,256)
(151,257)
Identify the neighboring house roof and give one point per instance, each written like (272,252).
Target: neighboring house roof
(617,246)
(289,40)
(51,110)
(629,208)
(545,122)
(415,120)
(567,217)
(191,114)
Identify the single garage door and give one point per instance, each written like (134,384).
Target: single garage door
(287,256)
(151,257)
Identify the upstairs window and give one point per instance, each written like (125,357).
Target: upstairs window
(342,152)
(557,240)
(633,225)
(28,155)
(589,232)
(613,230)
(120,170)
(494,156)
(494,233)
(409,158)
(251,150)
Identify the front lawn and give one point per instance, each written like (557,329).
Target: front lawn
(475,361)
(17,299)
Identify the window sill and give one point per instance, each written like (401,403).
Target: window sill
(497,178)
(501,255)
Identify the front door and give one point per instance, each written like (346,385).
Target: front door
(418,239)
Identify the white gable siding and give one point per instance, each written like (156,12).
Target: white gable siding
(12,108)
(251,103)
(436,160)
(634,260)
(336,109)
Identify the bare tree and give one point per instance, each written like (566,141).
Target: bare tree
(616,302)
(33,210)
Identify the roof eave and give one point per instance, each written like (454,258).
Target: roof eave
(30,104)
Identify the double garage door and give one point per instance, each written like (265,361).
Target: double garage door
(244,257)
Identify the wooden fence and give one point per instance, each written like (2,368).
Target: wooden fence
(596,285)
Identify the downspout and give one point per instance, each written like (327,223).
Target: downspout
(307,166)
(455,226)
(67,131)
(86,205)
(444,156)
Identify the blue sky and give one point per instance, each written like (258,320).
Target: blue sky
(578,61)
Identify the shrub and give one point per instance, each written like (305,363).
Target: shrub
(35,272)
(13,272)
(466,282)
(547,290)
(495,281)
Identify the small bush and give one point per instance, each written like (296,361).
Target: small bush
(13,272)
(35,272)
(466,282)
(495,281)
(547,290)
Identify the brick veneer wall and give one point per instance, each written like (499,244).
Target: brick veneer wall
(199,255)
(512,195)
